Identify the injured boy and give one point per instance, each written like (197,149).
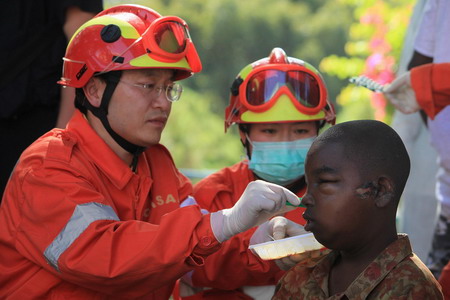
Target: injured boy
(355,173)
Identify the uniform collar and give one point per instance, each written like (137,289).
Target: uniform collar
(109,163)
(372,275)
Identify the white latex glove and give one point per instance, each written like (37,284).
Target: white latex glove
(401,94)
(275,229)
(279,228)
(260,201)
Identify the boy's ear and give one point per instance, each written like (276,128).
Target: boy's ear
(385,194)
(93,90)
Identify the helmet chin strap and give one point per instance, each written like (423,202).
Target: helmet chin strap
(101,112)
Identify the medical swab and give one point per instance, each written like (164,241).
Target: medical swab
(300,205)
(368,83)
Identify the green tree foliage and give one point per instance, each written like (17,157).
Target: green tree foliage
(373,48)
(195,135)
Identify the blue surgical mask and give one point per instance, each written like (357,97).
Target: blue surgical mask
(279,162)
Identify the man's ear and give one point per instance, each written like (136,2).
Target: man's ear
(93,90)
(385,194)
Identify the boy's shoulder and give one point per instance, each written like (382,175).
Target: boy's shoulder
(411,277)
(396,272)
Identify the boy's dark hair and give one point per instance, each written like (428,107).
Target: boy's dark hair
(375,148)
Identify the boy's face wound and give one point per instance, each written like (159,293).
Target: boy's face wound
(336,208)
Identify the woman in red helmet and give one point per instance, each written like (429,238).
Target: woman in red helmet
(92,211)
(279,103)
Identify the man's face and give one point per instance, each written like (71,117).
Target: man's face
(137,113)
(335,213)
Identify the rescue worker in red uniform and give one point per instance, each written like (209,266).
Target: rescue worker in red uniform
(280,103)
(424,87)
(92,211)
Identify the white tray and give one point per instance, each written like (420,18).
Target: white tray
(285,247)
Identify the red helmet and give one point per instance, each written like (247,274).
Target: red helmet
(278,89)
(129,37)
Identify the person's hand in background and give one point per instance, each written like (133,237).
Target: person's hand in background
(401,94)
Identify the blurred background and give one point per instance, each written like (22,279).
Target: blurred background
(342,38)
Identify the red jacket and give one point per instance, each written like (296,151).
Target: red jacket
(431,84)
(219,191)
(444,280)
(76,223)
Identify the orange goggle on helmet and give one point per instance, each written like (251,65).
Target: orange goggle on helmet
(278,89)
(129,37)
